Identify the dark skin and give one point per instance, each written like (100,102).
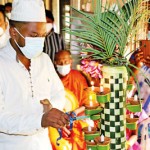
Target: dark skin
(52,116)
(139,58)
(27,30)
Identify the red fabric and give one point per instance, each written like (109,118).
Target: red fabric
(77,136)
(76,83)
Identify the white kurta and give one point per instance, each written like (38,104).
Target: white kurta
(20,95)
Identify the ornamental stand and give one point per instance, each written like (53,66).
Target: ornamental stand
(113,117)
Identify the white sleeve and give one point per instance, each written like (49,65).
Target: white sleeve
(57,90)
(18,123)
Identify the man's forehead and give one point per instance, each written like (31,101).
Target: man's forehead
(64,56)
(34,26)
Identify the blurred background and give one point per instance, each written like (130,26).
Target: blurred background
(61,8)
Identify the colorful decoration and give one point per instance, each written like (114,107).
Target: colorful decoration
(72,117)
(91,67)
(76,139)
(113,118)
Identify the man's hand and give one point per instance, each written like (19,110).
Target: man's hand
(54,118)
(139,58)
(147,61)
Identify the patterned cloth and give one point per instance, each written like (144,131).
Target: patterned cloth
(53,44)
(113,116)
(144,81)
(144,123)
(145,134)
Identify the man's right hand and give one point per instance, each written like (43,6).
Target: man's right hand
(54,118)
(147,61)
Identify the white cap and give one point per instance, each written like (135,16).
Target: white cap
(28,11)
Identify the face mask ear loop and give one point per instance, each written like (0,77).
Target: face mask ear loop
(19,33)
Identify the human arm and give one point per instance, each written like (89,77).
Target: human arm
(52,116)
(21,114)
(29,123)
(147,61)
(80,111)
(138,58)
(18,122)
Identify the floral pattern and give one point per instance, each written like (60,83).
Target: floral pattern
(91,67)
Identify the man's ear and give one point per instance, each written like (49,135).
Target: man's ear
(12,32)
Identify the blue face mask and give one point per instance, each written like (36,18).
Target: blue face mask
(33,46)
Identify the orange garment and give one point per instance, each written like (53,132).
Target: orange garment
(76,83)
(76,139)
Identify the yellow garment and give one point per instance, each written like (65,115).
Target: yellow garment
(71,101)
(76,139)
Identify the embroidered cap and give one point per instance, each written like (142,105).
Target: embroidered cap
(28,11)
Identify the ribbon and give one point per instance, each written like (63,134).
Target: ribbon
(60,136)
(72,117)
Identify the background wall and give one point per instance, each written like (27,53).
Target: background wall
(50,5)
(5,1)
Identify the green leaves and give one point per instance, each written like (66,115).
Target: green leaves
(105,28)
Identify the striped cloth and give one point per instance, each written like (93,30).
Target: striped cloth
(53,44)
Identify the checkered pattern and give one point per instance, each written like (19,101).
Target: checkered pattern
(113,116)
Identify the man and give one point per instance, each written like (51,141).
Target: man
(28,83)
(8,8)
(3,27)
(72,79)
(53,41)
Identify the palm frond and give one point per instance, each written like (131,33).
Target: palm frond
(106,28)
